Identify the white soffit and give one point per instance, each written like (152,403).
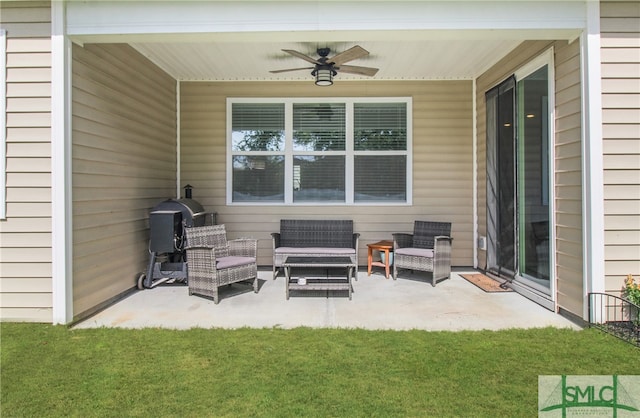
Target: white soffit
(245,61)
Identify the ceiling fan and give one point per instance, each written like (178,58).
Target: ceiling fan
(326,68)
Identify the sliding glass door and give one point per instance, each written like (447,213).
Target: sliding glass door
(501,215)
(518,180)
(533,179)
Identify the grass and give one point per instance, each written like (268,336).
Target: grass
(51,371)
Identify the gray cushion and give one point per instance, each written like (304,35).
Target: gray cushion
(233,261)
(415,252)
(314,250)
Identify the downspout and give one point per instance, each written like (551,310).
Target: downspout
(61,191)
(178,166)
(475,174)
(592,164)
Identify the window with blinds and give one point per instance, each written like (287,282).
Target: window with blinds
(380,145)
(258,127)
(380,126)
(257,132)
(319,127)
(310,151)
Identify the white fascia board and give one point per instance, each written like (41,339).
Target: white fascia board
(335,36)
(190,17)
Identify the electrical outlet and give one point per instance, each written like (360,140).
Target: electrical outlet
(482,243)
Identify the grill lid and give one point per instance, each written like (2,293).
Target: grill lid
(189,208)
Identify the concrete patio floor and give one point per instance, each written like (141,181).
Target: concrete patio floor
(378,303)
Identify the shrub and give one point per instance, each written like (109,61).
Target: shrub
(632,290)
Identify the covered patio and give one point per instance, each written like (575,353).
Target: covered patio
(147,97)
(378,303)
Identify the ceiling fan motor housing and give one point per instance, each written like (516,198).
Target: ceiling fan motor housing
(323,52)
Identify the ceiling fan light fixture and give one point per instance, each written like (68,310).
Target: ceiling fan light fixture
(326,68)
(324,76)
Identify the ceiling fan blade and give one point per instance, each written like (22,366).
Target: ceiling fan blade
(291,69)
(349,55)
(354,69)
(301,56)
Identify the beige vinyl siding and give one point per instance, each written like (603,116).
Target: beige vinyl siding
(620,52)
(124,163)
(25,234)
(442,161)
(568,191)
(568,178)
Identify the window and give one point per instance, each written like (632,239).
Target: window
(311,151)
(257,143)
(3,123)
(380,163)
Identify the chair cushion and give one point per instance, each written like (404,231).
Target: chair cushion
(415,252)
(314,250)
(233,261)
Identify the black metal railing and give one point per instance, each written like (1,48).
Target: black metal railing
(616,316)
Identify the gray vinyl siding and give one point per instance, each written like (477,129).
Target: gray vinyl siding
(620,52)
(567,148)
(25,234)
(442,161)
(124,162)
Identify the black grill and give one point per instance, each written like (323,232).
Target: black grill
(167,220)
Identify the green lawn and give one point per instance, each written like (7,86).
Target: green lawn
(51,371)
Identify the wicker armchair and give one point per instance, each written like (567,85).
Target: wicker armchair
(427,249)
(212,261)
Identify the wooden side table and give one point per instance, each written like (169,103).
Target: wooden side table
(385,246)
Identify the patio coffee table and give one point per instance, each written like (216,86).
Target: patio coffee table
(319,283)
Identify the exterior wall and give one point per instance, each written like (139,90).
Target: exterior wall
(25,234)
(567,149)
(442,161)
(124,163)
(620,52)
(568,177)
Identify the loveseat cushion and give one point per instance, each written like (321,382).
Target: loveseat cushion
(314,250)
(415,252)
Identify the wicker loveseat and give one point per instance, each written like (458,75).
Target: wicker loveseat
(314,238)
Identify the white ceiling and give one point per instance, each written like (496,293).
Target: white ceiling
(423,59)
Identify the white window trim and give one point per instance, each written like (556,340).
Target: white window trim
(350,153)
(3,124)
